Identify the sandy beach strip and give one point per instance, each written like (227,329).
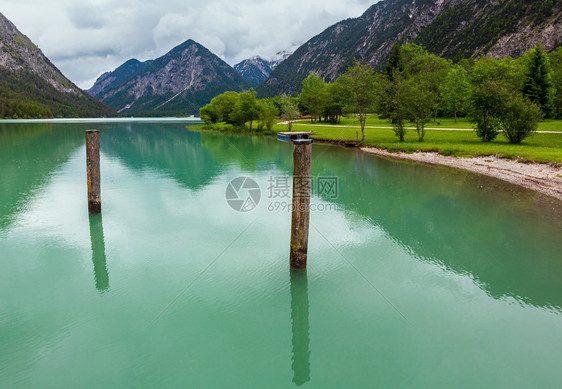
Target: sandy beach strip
(541,177)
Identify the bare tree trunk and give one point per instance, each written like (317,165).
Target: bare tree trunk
(362,119)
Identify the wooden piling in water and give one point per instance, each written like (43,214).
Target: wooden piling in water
(93,169)
(302,183)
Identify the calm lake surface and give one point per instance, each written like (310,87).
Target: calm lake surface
(418,276)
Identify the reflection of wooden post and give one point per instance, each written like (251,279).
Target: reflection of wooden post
(101,275)
(93,167)
(302,182)
(300,327)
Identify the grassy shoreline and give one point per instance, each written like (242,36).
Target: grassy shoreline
(539,147)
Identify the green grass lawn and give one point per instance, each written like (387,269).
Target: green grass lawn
(462,123)
(538,147)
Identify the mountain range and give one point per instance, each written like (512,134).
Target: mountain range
(454,29)
(256,69)
(189,75)
(179,82)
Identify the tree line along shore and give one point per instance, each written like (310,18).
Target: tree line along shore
(504,100)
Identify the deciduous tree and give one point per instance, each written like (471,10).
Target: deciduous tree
(486,106)
(456,92)
(290,111)
(267,113)
(359,87)
(394,102)
(313,96)
(419,101)
(520,118)
(245,110)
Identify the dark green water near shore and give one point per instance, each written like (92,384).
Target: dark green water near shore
(418,276)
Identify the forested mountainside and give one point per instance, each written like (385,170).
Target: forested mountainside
(32,87)
(255,70)
(454,29)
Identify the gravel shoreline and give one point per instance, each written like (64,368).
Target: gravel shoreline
(541,177)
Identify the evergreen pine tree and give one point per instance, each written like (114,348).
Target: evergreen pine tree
(538,86)
(395,61)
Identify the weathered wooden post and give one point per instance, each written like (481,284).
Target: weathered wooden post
(93,168)
(302,182)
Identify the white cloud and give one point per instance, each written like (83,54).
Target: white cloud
(87,38)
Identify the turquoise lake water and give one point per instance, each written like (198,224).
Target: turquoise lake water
(418,276)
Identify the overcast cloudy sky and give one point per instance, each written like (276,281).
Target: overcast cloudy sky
(85,38)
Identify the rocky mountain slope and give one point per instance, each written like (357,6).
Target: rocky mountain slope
(255,70)
(31,86)
(179,82)
(451,28)
(279,57)
(108,79)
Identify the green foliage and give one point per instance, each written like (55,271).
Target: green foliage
(245,109)
(23,95)
(313,97)
(520,119)
(209,115)
(456,91)
(413,89)
(430,70)
(538,86)
(555,59)
(267,113)
(220,108)
(486,107)
(231,111)
(395,97)
(420,101)
(335,103)
(289,111)
(359,90)
(395,63)
(488,69)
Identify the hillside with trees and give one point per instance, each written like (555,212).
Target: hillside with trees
(452,29)
(32,87)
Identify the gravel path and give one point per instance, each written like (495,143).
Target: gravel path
(409,128)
